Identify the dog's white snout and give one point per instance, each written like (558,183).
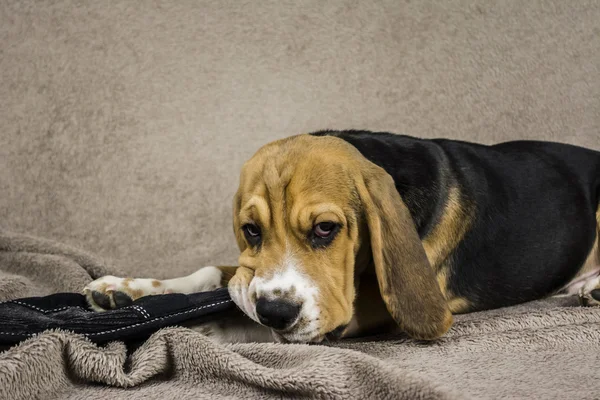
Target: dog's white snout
(295,289)
(299,320)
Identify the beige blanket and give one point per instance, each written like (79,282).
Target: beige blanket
(540,350)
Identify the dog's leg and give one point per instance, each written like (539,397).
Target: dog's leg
(111,292)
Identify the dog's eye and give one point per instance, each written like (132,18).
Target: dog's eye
(324,229)
(252,233)
(323,234)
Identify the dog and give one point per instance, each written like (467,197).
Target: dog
(352,233)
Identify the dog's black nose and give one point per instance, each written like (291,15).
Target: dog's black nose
(277,314)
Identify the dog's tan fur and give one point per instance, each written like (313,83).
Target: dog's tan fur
(443,240)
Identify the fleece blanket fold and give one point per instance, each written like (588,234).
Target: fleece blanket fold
(547,349)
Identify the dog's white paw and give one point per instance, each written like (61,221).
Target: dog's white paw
(111,292)
(589,292)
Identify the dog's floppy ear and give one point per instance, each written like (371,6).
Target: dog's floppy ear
(407,282)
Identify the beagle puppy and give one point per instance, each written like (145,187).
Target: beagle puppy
(350,233)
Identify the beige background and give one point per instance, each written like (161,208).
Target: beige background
(123,124)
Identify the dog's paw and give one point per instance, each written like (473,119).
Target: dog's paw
(589,294)
(111,292)
(587,288)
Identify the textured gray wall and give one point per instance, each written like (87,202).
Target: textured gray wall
(123,124)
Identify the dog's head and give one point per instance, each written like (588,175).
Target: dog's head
(306,208)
